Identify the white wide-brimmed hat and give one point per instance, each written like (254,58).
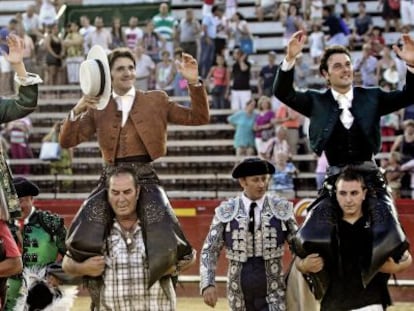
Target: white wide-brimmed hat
(391,76)
(95,76)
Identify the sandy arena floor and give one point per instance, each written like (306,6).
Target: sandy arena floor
(196,304)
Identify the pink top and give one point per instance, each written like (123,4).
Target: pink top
(219,76)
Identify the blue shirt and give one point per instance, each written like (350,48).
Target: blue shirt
(210,23)
(283,179)
(244,134)
(268,75)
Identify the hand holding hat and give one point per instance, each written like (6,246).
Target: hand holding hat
(95,80)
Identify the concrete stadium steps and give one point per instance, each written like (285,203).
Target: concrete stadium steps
(247,8)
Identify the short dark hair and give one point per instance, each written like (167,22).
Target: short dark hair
(334,49)
(120,52)
(350,174)
(118,170)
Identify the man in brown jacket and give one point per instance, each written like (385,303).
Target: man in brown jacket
(131,130)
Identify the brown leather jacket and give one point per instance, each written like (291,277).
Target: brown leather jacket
(150,114)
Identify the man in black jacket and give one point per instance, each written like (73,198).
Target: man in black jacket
(345,123)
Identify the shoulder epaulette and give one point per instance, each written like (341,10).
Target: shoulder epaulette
(281,208)
(52,223)
(227,210)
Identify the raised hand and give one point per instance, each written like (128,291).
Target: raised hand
(295,45)
(188,67)
(16,47)
(407,51)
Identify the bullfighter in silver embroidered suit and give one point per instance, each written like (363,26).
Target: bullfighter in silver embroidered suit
(253,228)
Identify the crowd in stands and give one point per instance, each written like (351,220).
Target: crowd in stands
(222,42)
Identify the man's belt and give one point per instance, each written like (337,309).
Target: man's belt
(362,167)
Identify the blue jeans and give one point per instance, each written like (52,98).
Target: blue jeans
(206,56)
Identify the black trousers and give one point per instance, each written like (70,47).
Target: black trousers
(254,284)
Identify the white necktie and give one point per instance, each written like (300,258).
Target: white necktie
(124,107)
(346,116)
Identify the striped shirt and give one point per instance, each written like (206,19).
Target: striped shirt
(165,26)
(126,276)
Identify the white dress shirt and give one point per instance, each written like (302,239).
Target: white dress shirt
(124,103)
(257,211)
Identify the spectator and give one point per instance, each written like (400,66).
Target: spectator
(6,82)
(278,143)
(405,143)
(337,33)
(230,8)
(377,41)
(47,13)
(267,76)
(291,120)
(239,30)
(42,237)
(282,183)
(221,79)
(133,33)
(31,24)
(207,7)
(255,267)
(209,31)
(302,73)
(363,26)
(390,124)
(320,171)
(63,166)
(391,11)
(344,4)
(222,34)
(263,126)
(188,32)
(393,174)
(316,43)
(152,42)
(73,44)
(29,56)
(100,36)
(240,75)
(407,13)
(315,11)
(265,7)
(54,56)
(164,73)
(165,24)
(85,30)
(126,251)
(243,121)
(145,69)
(118,35)
(366,65)
(385,62)
(19,132)
(292,23)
